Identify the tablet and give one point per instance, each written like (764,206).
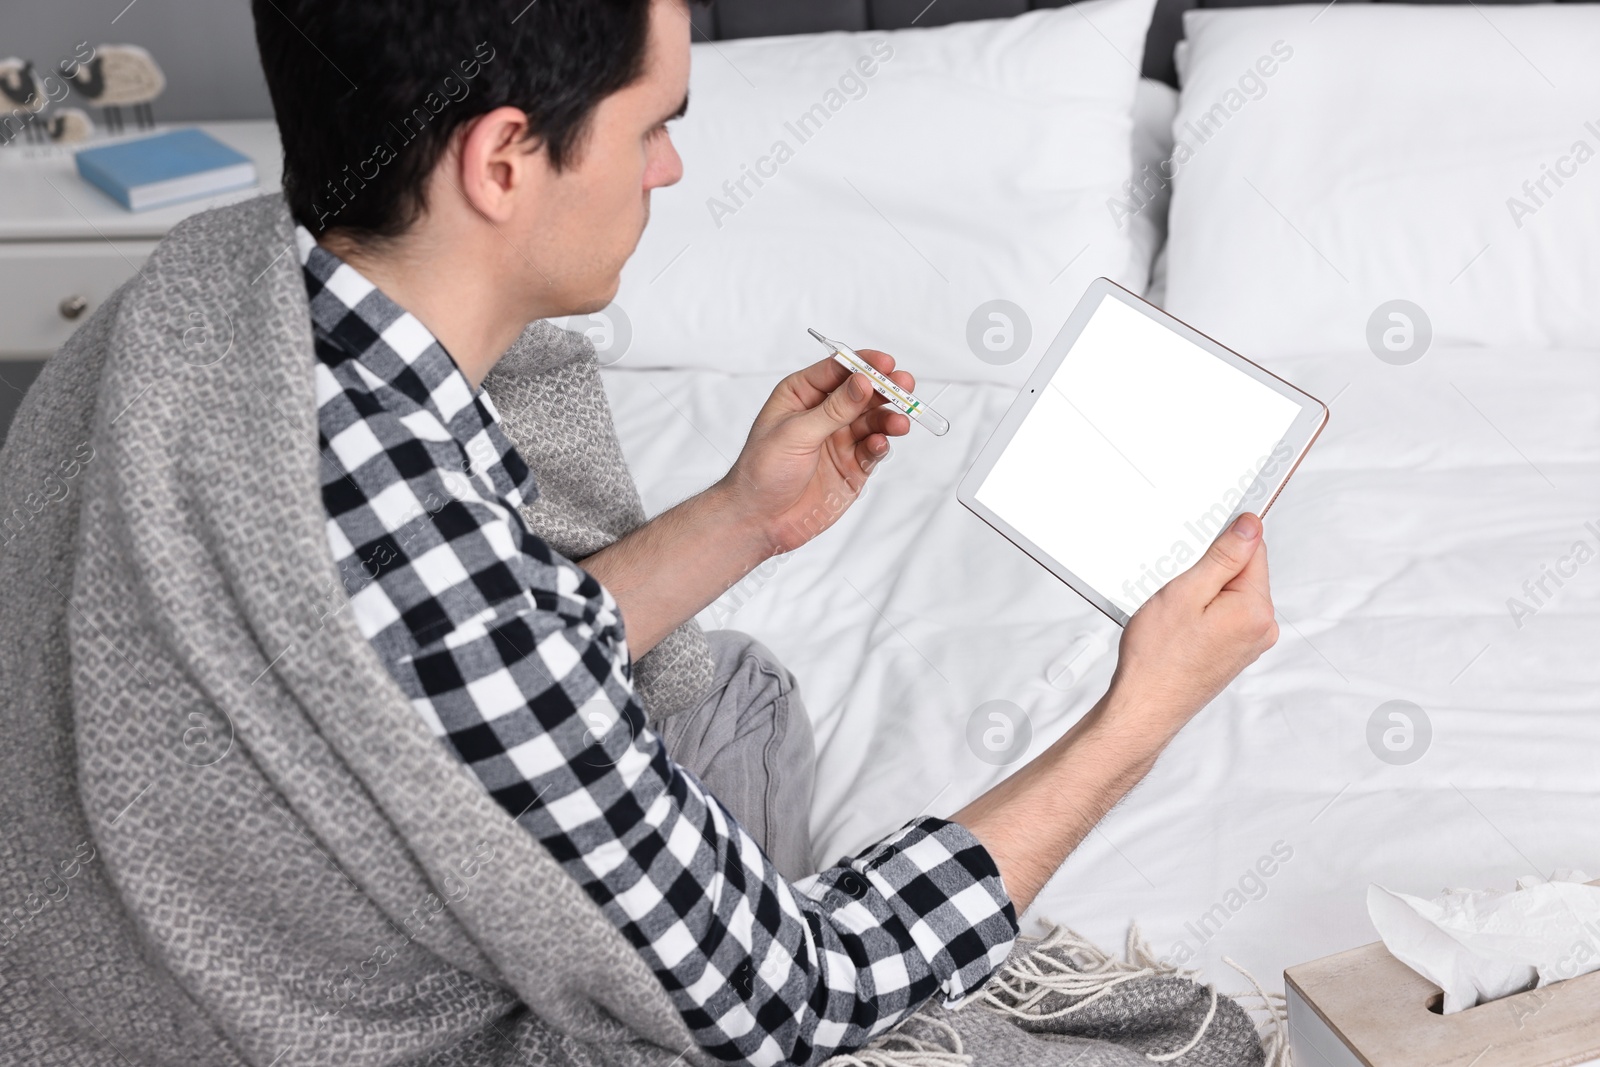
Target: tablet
(1135,442)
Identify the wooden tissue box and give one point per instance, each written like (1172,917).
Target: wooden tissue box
(1364,1008)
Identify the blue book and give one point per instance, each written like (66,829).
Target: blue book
(164,169)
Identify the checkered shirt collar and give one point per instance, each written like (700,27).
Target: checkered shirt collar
(390,345)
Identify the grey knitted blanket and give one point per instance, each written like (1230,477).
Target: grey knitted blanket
(228,837)
(548,391)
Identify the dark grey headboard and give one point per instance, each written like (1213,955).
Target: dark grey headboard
(765,18)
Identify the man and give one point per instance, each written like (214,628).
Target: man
(457,173)
(519,208)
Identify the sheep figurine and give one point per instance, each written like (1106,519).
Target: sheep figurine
(119,75)
(23,95)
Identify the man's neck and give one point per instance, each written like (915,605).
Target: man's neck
(449,286)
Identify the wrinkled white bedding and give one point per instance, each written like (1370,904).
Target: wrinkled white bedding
(1436,491)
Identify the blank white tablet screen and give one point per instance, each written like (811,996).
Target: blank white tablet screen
(1135,454)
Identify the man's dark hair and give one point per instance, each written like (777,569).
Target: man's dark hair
(369,92)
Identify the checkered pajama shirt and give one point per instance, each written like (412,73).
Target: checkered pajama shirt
(516,659)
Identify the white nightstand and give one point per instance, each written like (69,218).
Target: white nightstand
(64,245)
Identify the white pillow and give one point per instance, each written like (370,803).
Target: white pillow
(1343,158)
(1150,193)
(885,188)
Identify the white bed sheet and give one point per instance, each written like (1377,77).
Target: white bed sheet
(1436,490)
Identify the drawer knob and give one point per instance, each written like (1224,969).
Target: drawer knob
(73,306)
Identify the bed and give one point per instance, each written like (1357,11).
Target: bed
(1425,563)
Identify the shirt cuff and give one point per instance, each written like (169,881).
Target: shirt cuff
(945,888)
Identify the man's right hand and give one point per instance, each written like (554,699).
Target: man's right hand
(1196,634)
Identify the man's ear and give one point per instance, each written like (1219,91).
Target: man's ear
(497,162)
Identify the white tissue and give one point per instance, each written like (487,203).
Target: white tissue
(1481,944)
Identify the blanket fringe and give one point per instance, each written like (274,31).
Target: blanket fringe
(903,1050)
(1065,962)
(1275,1028)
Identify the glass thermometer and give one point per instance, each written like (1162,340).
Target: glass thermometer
(898,398)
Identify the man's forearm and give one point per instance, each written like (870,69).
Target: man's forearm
(667,570)
(1033,820)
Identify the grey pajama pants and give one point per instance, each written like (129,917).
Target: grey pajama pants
(749,741)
